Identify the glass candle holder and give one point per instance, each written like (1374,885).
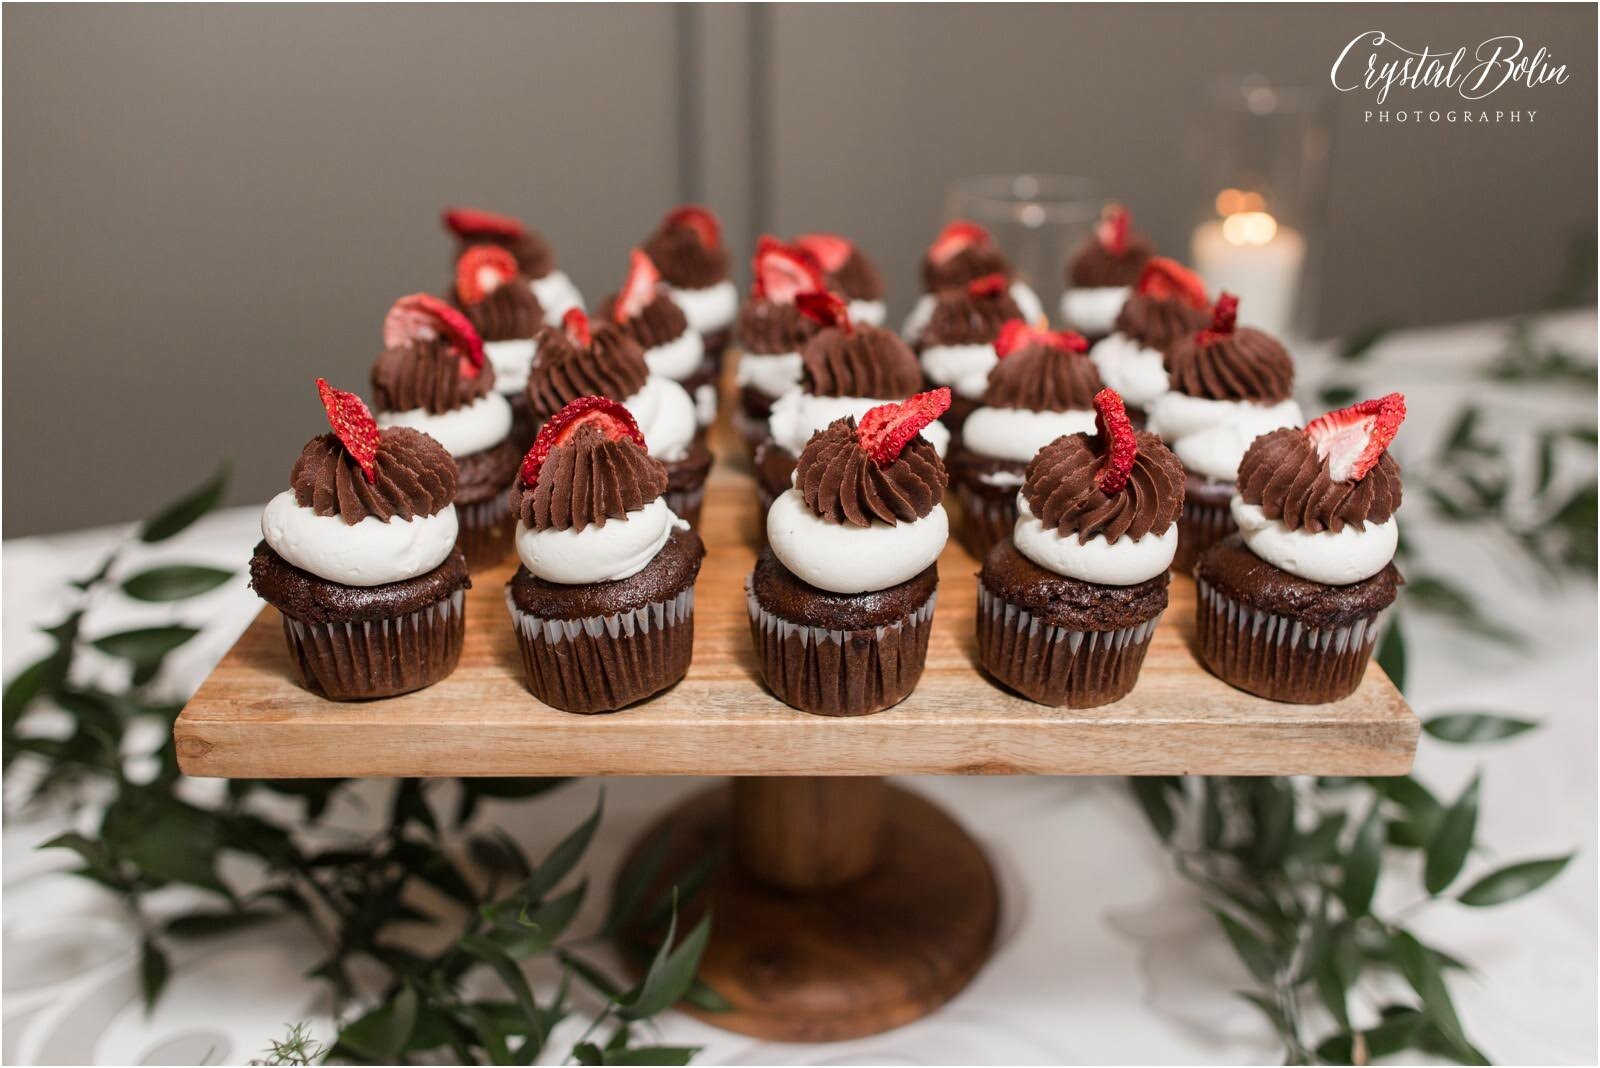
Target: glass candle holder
(1037,219)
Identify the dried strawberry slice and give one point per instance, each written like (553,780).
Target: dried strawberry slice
(825,308)
(1017,333)
(353,425)
(640,288)
(707,230)
(1111,423)
(1351,440)
(831,250)
(989,286)
(602,413)
(886,430)
(783,272)
(481,270)
(424,317)
(1164,279)
(473,224)
(1112,229)
(955,237)
(1224,318)
(575,324)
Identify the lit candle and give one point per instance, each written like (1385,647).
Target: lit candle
(1248,253)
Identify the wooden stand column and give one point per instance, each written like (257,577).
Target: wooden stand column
(842,907)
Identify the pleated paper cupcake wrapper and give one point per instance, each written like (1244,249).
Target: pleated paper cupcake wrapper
(840,672)
(985,521)
(685,504)
(380,657)
(1054,665)
(752,428)
(1199,528)
(603,663)
(1279,658)
(486,531)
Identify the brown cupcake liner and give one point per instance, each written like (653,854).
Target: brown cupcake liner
(1279,658)
(1054,665)
(686,503)
(379,657)
(830,672)
(487,531)
(604,663)
(986,521)
(1200,526)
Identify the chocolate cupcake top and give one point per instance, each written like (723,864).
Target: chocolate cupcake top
(687,248)
(765,326)
(859,361)
(1229,362)
(1041,372)
(846,269)
(1283,474)
(586,479)
(1112,256)
(412,476)
(970,315)
(963,252)
(581,361)
(473,227)
(427,374)
(1157,322)
(508,313)
(1070,489)
(657,323)
(841,483)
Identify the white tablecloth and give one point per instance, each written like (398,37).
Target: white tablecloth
(1105,956)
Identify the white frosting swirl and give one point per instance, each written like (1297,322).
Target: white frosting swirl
(710,309)
(1333,559)
(1212,436)
(614,550)
(481,425)
(1093,310)
(871,312)
(369,553)
(1019,433)
(705,404)
(849,559)
(1138,373)
(666,417)
(1026,300)
(511,360)
(557,295)
(797,415)
(678,358)
(964,368)
(770,373)
(1109,563)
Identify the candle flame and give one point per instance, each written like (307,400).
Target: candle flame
(1249,228)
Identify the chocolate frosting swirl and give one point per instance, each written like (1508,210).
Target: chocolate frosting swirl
(426,375)
(869,362)
(1061,492)
(959,318)
(841,484)
(1243,365)
(586,480)
(970,263)
(414,476)
(1043,378)
(531,251)
(683,261)
(612,366)
(509,313)
(657,323)
(857,278)
(766,328)
(1094,265)
(1156,323)
(1282,474)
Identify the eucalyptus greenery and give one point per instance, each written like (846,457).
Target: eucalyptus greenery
(508,910)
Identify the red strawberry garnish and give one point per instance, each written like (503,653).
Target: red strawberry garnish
(471,224)
(825,308)
(1164,279)
(886,430)
(1351,440)
(707,230)
(575,324)
(1224,317)
(423,317)
(640,288)
(481,270)
(1121,444)
(958,235)
(602,413)
(988,287)
(1017,333)
(1112,229)
(831,250)
(783,272)
(353,425)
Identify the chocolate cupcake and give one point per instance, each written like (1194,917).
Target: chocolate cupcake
(603,603)
(841,600)
(1043,387)
(847,271)
(507,317)
(1168,303)
(845,370)
(963,253)
(1291,607)
(687,249)
(575,361)
(535,260)
(772,330)
(359,556)
(1067,605)
(1230,384)
(433,377)
(956,344)
(647,312)
(1101,273)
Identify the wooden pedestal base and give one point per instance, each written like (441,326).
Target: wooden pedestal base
(842,907)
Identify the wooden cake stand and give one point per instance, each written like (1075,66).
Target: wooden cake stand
(844,906)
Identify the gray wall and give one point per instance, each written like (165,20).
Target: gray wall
(206,207)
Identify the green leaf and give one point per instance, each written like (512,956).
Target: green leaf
(1465,728)
(671,973)
(1151,793)
(1332,981)
(206,924)
(381,1034)
(537,931)
(1392,652)
(1450,844)
(651,1055)
(565,856)
(636,881)
(145,647)
(1359,345)
(1421,969)
(1512,881)
(1362,866)
(1398,1031)
(175,582)
(511,975)
(153,972)
(178,515)
(1257,956)
(1338,396)
(29,683)
(1320,844)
